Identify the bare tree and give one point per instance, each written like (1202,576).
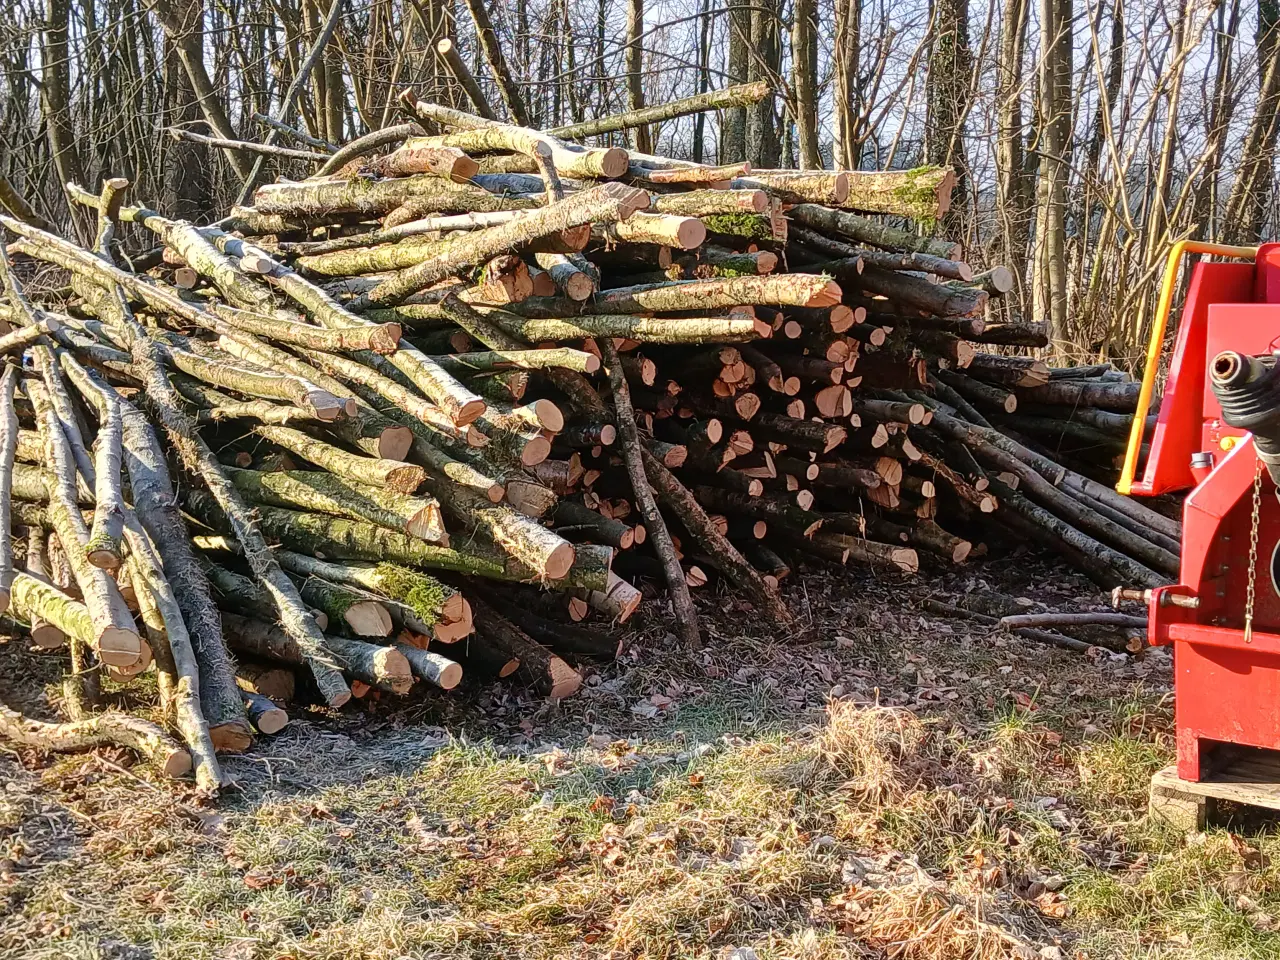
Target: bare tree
(1049,268)
(804,78)
(635,70)
(1246,206)
(845,52)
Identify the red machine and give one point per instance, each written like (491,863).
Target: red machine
(1218,434)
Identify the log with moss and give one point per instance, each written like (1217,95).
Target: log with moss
(113,728)
(325,492)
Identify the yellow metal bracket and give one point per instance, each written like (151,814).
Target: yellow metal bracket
(1156,344)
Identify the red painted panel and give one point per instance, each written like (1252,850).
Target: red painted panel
(1226,695)
(1179,428)
(1266,286)
(1227,689)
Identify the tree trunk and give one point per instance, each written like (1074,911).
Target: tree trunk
(55,89)
(705,26)
(188,165)
(948,81)
(1011,181)
(488,40)
(734,132)
(1050,267)
(804,80)
(1250,194)
(180,28)
(846,148)
(762,136)
(635,71)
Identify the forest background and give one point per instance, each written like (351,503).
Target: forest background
(1089,134)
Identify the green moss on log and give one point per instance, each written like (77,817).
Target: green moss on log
(750,225)
(425,595)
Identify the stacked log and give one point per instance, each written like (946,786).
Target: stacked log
(496,356)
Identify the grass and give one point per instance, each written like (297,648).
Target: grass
(963,796)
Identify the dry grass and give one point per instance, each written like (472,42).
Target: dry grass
(898,908)
(870,746)
(892,787)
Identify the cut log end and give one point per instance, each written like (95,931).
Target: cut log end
(535,451)
(565,680)
(384,337)
(449,677)
(828,295)
(548,414)
(946,185)
(118,647)
(579,287)
(176,763)
(271,720)
(691,233)
(104,558)
(1000,279)
(905,559)
(464,168)
(46,636)
(325,405)
(232,737)
(368,618)
(469,412)
(747,405)
(393,670)
(453,631)
(426,524)
(840,188)
(405,478)
(559,561)
(614,162)
(395,443)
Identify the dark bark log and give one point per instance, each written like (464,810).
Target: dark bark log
(682,604)
(726,557)
(538,666)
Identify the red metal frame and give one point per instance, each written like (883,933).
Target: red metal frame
(1227,686)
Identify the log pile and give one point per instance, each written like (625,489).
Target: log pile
(429,410)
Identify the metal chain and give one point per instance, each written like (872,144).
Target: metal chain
(1251,589)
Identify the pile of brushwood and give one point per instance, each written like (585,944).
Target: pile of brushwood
(471,384)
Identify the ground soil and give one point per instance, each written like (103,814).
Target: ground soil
(887,784)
